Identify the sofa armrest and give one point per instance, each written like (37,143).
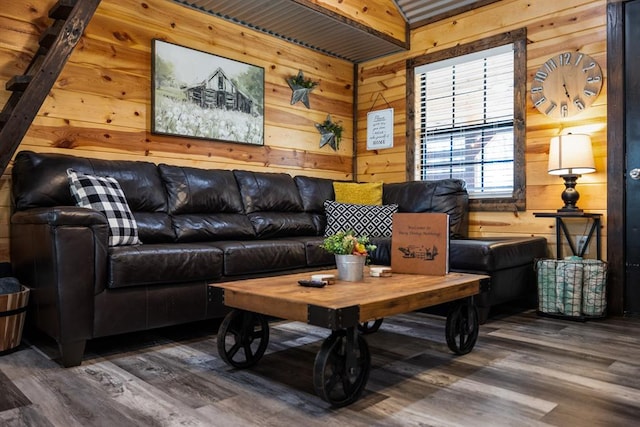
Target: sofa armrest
(61,254)
(498,253)
(60,216)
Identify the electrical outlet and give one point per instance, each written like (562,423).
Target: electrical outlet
(581,241)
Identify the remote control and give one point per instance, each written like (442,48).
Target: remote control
(312,283)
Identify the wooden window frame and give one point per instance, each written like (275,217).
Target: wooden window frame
(517,202)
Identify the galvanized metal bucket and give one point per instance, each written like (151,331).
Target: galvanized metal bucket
(350,267)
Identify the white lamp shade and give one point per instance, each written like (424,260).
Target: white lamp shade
(571,154)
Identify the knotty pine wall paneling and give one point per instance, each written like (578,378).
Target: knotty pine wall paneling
(552,27)
(101,104)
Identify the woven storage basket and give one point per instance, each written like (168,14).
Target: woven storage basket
(13,309)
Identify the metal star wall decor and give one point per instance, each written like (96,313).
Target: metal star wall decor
(301,88)
(330,133)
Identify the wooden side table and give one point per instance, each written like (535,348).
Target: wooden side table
(561,229)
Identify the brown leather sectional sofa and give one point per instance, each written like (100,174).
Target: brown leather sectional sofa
(199,226)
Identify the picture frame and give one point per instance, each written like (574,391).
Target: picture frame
(197,94)
(380,129)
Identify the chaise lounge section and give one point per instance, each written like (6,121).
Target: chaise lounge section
(199,226)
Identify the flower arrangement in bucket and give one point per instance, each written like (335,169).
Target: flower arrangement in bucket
(351,253)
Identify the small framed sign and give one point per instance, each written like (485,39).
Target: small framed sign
(380,129)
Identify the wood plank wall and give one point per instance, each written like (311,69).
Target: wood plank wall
(100,105)
(552,27)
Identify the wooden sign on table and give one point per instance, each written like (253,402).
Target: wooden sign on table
(420,243)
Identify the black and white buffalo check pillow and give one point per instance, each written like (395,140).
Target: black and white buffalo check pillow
(105,195)
(364,220)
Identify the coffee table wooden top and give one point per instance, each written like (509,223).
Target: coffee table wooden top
(345,304)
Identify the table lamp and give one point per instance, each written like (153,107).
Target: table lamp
(570,156)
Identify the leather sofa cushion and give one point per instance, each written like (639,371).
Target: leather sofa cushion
(313,192)
(154,227)
(213,226)
(140,182)
(200,191)
(282,224)
(446,195)
(316,256)
(319,222)
(261,256)
(41,180)
(163,263)
(271,192)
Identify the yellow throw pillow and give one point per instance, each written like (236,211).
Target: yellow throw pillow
(369,193)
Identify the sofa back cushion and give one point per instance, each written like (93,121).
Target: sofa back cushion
(313,193)
(446,195)
(205,204)
(40,180)
(192,190)
(268,192)
(273,204)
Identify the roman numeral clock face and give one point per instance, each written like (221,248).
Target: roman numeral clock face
(566,84)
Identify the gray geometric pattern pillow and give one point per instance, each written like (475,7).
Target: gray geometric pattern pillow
(364,220)
(105,195)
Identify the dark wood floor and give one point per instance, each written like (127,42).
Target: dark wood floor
(525,370)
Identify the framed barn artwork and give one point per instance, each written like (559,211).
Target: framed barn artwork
(201,95)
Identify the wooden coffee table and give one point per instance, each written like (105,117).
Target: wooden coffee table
(349,310)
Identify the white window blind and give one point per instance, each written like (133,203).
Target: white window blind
(466,110)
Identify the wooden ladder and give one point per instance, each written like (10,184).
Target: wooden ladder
(70,17)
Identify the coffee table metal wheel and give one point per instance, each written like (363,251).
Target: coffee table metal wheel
(242,338)
(370,327)
(462,327)
(342,367)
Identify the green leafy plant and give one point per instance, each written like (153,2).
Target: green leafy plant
(334,127)
(347,243)
(300,81)
(331,133)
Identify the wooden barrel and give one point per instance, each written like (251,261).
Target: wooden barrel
(13,309)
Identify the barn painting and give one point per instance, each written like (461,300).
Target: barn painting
(201,95)
(218,91)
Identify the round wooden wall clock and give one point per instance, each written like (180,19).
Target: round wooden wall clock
(566,84)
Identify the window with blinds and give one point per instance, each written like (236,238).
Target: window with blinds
(465,109)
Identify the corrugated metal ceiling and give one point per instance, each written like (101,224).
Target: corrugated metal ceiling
(302,25)
(326,32)
(421,12)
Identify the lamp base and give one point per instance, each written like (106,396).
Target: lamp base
(570,195)
(569,209)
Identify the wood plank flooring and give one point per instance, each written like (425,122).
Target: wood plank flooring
(524,371)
